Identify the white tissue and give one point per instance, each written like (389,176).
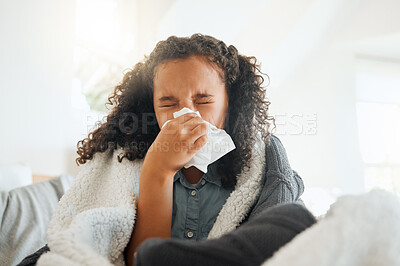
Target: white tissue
(218,144)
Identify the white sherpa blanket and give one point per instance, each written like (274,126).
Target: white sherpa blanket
(361,230)
(94,219)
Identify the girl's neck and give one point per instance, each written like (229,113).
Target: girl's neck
(192,174)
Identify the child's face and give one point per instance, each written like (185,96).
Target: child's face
(193,83)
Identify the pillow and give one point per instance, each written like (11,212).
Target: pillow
(15,175)
(25,213)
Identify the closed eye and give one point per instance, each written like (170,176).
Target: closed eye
(169,105)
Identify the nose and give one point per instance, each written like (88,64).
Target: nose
(188,104)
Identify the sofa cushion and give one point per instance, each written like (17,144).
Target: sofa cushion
(25,213)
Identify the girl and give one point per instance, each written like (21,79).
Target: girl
(229,215)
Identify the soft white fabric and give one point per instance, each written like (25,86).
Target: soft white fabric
(94,219)
(15,175)
(218,144)
(358,230)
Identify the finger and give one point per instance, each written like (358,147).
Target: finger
(183,118)
(192,131)
(199,143)
(193,122)
(186,129)
(199,130)
(177,123)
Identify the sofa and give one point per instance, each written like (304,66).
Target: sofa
(24,215)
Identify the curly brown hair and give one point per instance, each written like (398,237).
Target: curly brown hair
(128,125)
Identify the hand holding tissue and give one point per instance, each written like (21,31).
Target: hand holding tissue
(218,144)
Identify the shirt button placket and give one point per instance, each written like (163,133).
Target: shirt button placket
(192,214)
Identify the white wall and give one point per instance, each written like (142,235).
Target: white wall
(321,81)
(36,72)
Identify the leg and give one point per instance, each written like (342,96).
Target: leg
(251,244)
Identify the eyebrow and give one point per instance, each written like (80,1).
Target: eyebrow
(197,96)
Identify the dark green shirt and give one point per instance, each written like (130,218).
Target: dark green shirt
(196,206)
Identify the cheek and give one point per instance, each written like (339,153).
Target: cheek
(163,116)
(216,116)
(222,115)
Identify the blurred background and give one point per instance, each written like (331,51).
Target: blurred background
(334,69)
